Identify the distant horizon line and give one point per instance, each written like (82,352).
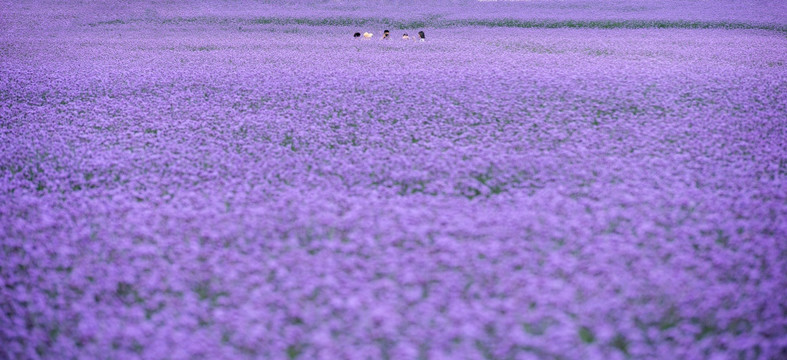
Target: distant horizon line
(418,24)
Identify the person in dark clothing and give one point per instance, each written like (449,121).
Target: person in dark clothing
(386,34)
(357,35)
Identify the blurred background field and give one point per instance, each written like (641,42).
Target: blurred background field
(54,15)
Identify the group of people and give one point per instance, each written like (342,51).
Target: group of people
(387,35)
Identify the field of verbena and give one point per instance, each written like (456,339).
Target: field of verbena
(240,189)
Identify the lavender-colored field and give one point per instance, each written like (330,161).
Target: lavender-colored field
(537,180)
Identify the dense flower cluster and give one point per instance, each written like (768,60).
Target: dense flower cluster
(213,191)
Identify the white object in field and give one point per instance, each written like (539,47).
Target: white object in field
(368,35)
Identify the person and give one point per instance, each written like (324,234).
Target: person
(367,35)
(405,37)
(422,36)
(386,34)
(357,35)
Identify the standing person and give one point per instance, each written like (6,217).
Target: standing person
(422,36)
(405,37)
(386,34)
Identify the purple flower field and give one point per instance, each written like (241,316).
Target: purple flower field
(536,180)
